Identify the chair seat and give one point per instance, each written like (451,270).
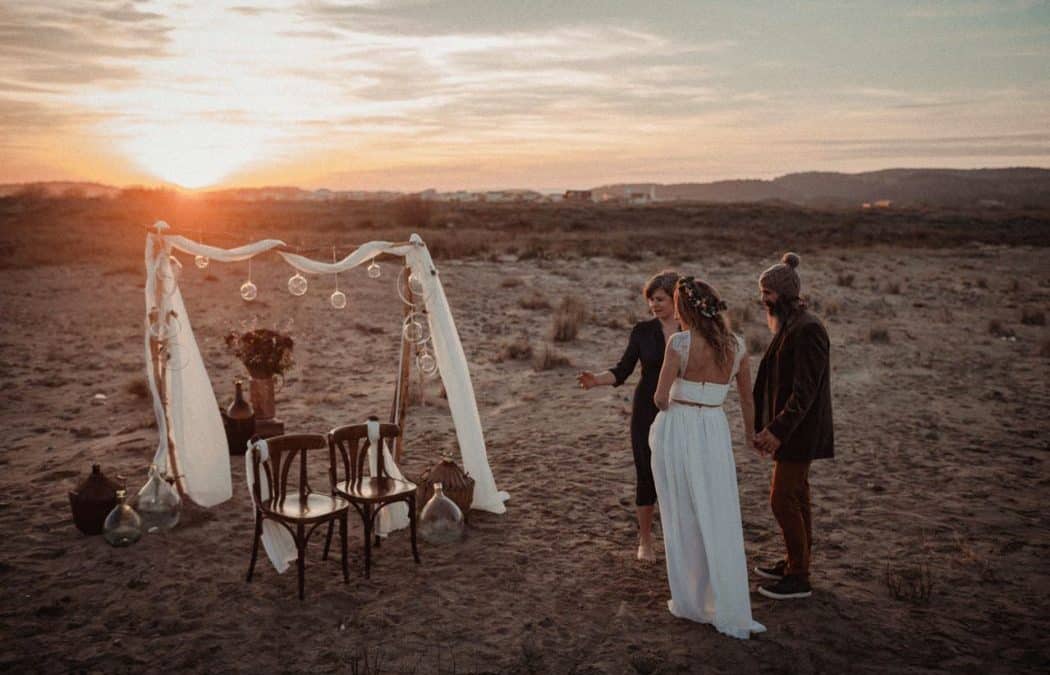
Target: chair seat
(376,489)
(317,506)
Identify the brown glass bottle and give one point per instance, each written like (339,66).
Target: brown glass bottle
(240,422)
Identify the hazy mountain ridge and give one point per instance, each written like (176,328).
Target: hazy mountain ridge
(905,187)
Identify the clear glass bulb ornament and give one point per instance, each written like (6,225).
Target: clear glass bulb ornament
(413,330)
(441,521)
(338,300)
(297,284)
(374,271)
(157,503)
(415,284)
(165,330)
(427,363)
(249,291)
(201,261)
(123,527)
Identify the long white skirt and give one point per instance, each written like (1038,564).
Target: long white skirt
(696,487)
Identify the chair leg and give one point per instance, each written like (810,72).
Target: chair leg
(368,540)
(255,545)
(300,544)
(412,524)
(342,536)
(327,541)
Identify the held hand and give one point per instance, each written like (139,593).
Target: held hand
(766,442)
(587,379)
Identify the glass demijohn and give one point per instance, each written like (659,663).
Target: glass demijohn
(123,527)
(297,284)
(441,521)
(158,503)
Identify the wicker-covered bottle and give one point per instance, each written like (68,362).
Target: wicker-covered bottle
(458,486)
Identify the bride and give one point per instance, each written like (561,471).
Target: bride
(693,464)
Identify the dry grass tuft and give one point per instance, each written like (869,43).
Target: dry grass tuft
(549,358)
(1044,349)
(1033,317)
(879,335)
(893,288)
(137,387)
(910,584)
(535,299)
(517,349)
(845,280)
(996,328)
(510,282)
(568,317)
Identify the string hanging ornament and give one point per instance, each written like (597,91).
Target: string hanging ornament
(373,270)
(201,261)
(338,298)
(248,289)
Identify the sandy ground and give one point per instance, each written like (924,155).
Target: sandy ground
(942,435)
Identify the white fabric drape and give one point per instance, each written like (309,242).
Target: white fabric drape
(448,352)
(277,541)
(395,516)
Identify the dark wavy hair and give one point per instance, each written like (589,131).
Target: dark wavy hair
(701,309)
(664,281)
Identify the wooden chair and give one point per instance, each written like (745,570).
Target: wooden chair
(368,494)
(303,507)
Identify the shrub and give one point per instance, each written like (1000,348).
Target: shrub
(910,584)
(879,335)
(535,300)
(1044,349)
(996,328)
(510,282)
(1034,317)
(567,319)
(518,349)
(845,280)
(137,387)
(549,357)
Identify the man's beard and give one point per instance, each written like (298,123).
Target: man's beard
(777,313)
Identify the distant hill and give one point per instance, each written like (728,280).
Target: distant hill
(59,189)
(902,187)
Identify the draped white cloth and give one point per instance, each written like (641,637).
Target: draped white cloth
(277,541)
(394,516)
(201,449)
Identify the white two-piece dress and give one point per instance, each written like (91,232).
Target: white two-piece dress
(695,476)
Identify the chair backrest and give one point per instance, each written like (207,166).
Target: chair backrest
(284,450)
(349,445)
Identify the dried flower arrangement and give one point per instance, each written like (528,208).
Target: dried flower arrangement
(263,352)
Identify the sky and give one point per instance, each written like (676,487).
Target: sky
(489,94)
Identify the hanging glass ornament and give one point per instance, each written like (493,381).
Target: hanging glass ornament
(249,291)
(201,261)
(165,329)
(441,521)
(413,329)
(373,270)
(338,299)
(415,284)
(402,291)
(157,503)
(427,363)
(297,284)
(123,527)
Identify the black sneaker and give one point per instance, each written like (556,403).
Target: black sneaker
(772,572)
(791,586)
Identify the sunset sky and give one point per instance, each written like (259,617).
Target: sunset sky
(405,94)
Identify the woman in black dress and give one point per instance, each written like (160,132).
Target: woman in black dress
(646,344)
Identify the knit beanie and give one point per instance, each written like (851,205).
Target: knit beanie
(782,278)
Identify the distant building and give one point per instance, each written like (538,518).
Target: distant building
(578,196)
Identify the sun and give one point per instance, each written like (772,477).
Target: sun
(193,153)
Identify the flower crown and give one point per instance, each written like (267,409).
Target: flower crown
(707,305)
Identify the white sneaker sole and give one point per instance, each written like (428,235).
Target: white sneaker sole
(784,596)
(767,575)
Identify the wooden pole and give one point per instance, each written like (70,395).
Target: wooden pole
(159,352)
(401,394)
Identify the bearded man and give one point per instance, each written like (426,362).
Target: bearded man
(792,420)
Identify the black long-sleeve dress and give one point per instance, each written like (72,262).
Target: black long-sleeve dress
(646,344)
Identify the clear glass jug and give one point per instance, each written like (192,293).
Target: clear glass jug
(441,521)
(123,527)
(157,503)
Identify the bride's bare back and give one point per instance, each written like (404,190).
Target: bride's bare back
(702,365)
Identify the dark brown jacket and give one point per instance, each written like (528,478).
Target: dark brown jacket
(793,390)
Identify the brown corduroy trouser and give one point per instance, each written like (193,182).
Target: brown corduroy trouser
(789,499)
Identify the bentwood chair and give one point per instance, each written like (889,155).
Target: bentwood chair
(368,494)
(296,507)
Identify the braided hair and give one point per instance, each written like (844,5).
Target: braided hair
(701,309)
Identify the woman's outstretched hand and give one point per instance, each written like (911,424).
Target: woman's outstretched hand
(587,379)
